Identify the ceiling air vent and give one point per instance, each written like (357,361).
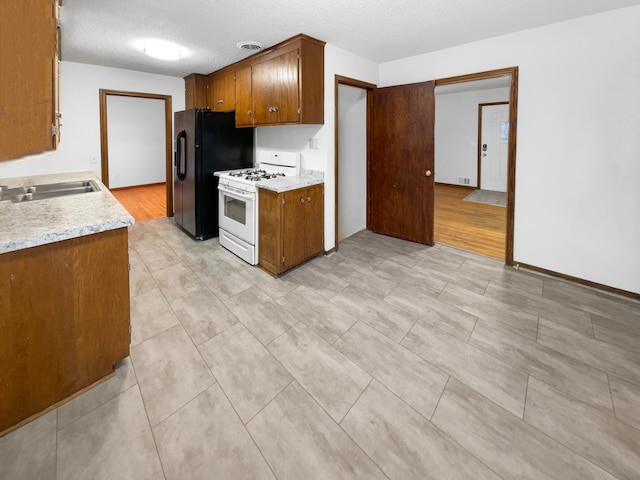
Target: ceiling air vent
(251,46)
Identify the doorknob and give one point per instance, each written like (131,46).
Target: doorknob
(427,173)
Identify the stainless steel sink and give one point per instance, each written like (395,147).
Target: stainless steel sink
(48,190)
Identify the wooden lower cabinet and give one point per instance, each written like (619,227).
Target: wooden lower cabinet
(64,318)
(290,227)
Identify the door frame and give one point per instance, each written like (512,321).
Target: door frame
(480,107)
(168,126)
(511,72)
(369,87)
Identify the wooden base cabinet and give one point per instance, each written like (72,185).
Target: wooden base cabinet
(290,227)
(64,318)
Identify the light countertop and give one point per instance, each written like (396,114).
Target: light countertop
(283,184)
(38,222)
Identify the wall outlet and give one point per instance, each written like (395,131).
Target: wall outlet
(463,181)
(314,143)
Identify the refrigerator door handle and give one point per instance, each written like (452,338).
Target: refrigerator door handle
(181,157)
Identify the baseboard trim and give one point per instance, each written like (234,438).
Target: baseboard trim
(141,185)
(466,187)
(581,281)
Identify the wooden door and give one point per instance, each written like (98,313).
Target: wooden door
(244,114)
(401,176)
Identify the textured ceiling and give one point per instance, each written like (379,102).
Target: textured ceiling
(106,32)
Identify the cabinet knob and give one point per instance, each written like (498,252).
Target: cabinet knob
(249,112)
(308,199)
(220,101)
(302,200)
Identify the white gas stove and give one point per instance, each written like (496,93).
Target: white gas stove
(238,202)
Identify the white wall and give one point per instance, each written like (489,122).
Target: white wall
(296,137)
(352,164)
(456,133)
(578,149)
(136,141)
(80,107)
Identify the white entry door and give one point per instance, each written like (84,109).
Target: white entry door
(494,147)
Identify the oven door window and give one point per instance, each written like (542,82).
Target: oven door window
(235,209)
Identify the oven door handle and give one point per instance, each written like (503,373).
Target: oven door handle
(235,193)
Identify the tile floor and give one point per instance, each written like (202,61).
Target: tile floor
(386,360)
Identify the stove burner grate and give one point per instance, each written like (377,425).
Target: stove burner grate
(262,175)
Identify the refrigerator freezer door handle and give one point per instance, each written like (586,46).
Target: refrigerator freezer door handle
(181,157)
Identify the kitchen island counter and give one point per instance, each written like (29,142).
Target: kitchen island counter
(284,184)
(39,222)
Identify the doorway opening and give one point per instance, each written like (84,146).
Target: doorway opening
(135,193)
(350,169)
(480,227)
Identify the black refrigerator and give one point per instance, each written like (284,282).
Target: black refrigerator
(205,142)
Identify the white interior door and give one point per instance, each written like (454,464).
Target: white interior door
(494,147)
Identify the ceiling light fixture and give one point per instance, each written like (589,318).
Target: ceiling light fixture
(249,45)
(163,50)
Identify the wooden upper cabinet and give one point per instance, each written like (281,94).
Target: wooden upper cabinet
(195,91)
(281,85)
(221,93)
(28,77)
(275,89)
(287,83)
(244,114)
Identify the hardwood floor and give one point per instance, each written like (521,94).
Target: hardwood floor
(143,202)
(472,226)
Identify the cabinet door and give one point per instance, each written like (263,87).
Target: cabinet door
(275,89)
(64,317)
(269,231)
(314,221)
(195,91)
(293,218)
(222,92)
(27,50)
(244,114)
